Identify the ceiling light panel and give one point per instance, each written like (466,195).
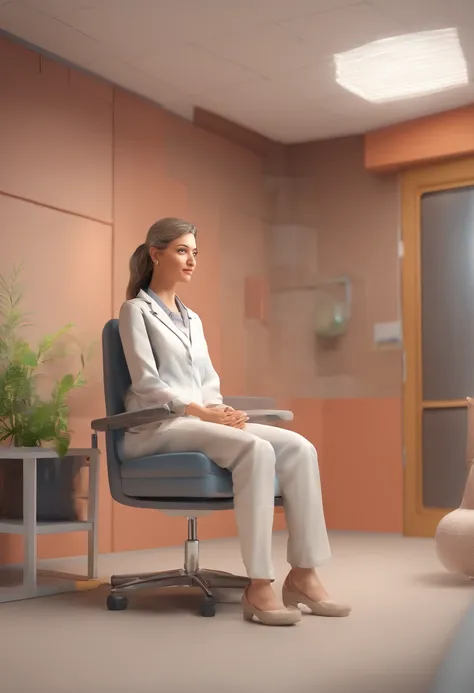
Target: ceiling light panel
(403,67)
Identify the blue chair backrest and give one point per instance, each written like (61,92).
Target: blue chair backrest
(116,375)
(116,383)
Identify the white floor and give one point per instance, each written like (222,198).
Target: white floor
(405,608)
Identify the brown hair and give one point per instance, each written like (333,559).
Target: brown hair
(160,235)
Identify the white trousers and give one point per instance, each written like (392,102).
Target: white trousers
(253,456)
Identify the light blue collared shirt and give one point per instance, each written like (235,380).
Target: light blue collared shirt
(180,318)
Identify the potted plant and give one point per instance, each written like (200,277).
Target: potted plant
(33,413)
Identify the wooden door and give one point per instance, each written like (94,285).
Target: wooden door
(438,328)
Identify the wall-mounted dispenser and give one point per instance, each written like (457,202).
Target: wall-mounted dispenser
(331,314)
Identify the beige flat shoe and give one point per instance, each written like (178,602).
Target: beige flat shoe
(275,617)
(292,597)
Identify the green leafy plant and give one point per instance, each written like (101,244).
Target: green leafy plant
(26,418)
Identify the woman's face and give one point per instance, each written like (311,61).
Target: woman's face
(177,262)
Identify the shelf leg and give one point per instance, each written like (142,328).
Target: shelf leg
(29,523)
(92,512)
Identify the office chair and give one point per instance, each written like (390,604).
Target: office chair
(187,484)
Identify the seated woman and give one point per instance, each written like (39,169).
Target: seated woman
(169,366)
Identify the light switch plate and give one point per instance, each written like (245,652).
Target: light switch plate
(388,333)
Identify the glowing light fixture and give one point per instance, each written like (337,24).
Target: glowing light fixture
(403,67)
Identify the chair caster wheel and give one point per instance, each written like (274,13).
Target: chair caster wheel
(116,602)
(208,608)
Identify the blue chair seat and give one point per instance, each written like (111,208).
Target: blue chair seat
(177,475)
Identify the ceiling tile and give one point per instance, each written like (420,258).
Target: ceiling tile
(145,22)
(263,107)
(252,96)
(310,85)
(344,28)
(63,8)
(423,15)
(194,69)
(135,80)
(51,35)
(217,17)
(142,25)
(268,50)
(128,29)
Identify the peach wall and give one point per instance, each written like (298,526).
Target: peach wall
(67,272)
(90,166)
(56,134)
(335,218)
(362,470)
(86,168)
(359,443)
(55,206)
(441,136)
(345,222)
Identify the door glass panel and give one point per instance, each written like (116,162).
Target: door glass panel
(444,457)
(447,271)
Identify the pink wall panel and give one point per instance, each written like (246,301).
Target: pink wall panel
(67,278)
(228,175)
(362,473)
(244,253)
(55,134)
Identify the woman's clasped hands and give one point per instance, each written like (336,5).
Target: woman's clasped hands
(220,414)
(227,416)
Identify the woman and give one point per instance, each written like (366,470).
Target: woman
(169,366)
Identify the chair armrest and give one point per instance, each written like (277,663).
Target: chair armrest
(244,403)
(257,415)
(155,414)
(130,419)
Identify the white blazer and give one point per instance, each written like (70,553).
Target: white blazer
(166,368)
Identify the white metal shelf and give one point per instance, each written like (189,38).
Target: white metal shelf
(17,527)
(30,528)
(12,453)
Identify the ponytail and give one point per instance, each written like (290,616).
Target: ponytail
(141,270)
